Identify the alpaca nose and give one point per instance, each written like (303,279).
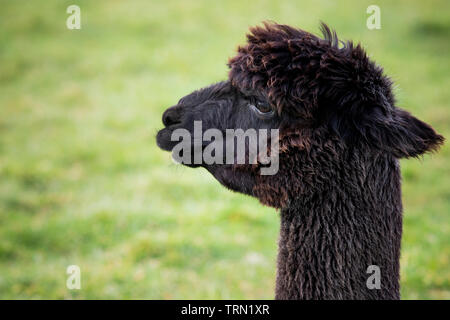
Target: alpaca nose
(171,116)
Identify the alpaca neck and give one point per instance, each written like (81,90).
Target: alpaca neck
(329,238)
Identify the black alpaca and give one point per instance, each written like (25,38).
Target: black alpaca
(341,135)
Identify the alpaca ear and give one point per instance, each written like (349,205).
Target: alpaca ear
(399,133)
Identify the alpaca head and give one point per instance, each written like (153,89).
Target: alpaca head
(326,98)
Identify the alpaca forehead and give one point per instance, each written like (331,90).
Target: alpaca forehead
(214,91)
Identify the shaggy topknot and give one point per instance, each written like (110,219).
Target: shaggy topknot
(292,66)
(325,81)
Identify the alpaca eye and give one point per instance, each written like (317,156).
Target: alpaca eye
(262,109)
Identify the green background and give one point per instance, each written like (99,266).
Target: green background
(82,181)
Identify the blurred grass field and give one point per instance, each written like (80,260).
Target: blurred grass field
(82,181)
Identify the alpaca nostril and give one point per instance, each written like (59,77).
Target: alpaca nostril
(171,116)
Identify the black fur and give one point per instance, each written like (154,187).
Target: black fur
(338,185)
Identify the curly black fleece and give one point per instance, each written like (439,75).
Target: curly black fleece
(341,135)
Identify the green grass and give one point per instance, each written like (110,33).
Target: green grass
(82,181)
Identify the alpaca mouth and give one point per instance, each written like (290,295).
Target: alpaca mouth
(172,120)
(163,139)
